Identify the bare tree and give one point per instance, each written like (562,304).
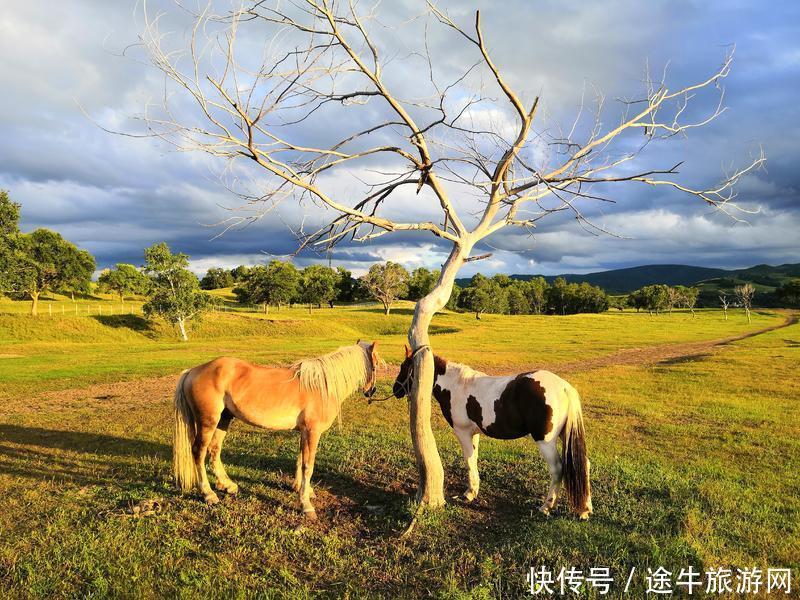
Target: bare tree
(687,297)
(723,300)
(744,294)
(674,298)
(475,178)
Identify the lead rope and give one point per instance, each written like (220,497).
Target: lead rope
(405,381)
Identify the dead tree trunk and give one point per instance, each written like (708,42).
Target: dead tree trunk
(182,329)
(34,303)
(429,464)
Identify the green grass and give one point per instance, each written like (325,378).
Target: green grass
(693,462)
(65,351)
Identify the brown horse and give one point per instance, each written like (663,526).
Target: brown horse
(306,396)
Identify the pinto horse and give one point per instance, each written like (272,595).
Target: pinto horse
(306,396)
(539,404)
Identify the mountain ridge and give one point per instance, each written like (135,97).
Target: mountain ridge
(627,279)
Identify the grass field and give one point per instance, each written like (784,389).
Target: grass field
(694,461)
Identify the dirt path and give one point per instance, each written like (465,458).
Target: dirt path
(119,395)
(667,353)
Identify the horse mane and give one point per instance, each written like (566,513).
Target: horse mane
(464,371)
(335,375)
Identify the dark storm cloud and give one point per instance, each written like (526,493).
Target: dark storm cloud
(115,195)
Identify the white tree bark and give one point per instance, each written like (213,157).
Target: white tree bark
(182,329)
(429,464)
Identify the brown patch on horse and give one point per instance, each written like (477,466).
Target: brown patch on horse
(474,411)
(520,410)
(540,412)
(439,366)
(443,398)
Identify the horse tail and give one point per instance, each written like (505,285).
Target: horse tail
(183,467)
(576,462)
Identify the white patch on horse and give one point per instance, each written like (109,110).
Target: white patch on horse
(462,381)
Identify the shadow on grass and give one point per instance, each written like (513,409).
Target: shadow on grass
(637,507)
(127,463)
(441,329)
(680,360)
(394,311)
(132,322)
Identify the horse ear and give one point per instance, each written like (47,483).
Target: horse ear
(408,350)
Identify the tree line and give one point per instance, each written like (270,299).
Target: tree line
(281,283)
(504,295)
(663,298)
(42,261)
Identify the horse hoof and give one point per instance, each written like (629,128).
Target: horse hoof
(310,515)
(230,488)
(544,510)
(584,516)
(211,499)
(468,497)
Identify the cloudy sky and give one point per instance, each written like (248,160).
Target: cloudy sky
(71,69)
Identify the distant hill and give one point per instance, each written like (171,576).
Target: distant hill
(765,279)
(761,275)
(621,281)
